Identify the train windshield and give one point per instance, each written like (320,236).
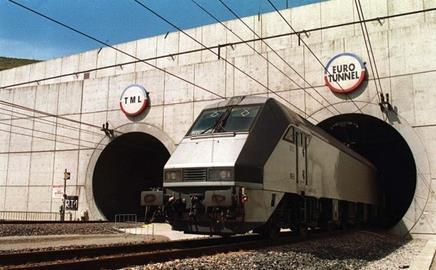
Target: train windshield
(232,119)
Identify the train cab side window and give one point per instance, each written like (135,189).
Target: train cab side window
(289,135)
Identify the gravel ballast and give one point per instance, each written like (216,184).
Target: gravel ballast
(18,237)
(356,250)
(56,229)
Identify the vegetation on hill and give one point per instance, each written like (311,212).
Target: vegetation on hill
(7,63)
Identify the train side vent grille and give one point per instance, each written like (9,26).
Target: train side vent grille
(194,174)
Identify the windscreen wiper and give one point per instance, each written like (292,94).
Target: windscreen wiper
(220,124)
(212,126)
(223,119)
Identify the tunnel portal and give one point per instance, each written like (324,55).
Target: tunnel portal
(131,163)
(381,144)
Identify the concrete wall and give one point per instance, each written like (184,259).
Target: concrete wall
(33,161)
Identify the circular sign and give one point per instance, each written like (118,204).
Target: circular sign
(344,73)
(134,100)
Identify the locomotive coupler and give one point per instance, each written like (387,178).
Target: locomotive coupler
(197,208)
(176,206)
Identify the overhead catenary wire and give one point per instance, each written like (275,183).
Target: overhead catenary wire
(42,138)
(114,48)
(224,59)
(310,50)
(55,124)
(47,150)
(77,31)
(105,44)
(99,143)
(76,73)
(264,57)
(369,50)
(3,102)
(45,132)
(280,57)
(39,119)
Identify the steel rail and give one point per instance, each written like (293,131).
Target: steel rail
(141,254)
(109,255)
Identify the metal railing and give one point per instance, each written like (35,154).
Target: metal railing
(126,218)
(129,223)
(29,216)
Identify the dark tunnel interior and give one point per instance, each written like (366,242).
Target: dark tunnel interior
(381,144)
(131,163)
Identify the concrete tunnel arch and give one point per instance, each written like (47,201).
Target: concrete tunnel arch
(131,163)
(123,167)
(384,146)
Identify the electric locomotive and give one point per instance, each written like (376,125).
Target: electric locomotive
(250,163)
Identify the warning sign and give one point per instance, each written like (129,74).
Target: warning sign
(58,192)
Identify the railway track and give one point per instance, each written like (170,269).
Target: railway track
(140,254)
(121,256)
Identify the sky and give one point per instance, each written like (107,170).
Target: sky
(26,35)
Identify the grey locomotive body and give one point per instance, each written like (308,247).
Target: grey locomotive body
(249,163)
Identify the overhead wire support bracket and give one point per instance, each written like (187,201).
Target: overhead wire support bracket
(299,35)
(109,132)
(385,104)
(379,20)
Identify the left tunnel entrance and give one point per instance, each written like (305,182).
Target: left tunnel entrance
(131,163)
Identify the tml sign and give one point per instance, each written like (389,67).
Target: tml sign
(344,73)
(134,100)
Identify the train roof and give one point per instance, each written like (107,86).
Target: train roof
(238,100)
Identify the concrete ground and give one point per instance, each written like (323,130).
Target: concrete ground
(140,234)
(16,243)
(162,229)
(426,259)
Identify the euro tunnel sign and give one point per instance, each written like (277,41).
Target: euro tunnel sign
(72,203)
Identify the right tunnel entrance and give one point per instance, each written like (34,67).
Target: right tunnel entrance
(381,144)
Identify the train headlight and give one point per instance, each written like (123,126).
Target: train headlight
(221,174)
(173,175)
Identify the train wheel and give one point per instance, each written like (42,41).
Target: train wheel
(273,232)
(302,231)
(268,231)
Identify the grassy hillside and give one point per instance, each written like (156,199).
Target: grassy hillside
(7,63)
